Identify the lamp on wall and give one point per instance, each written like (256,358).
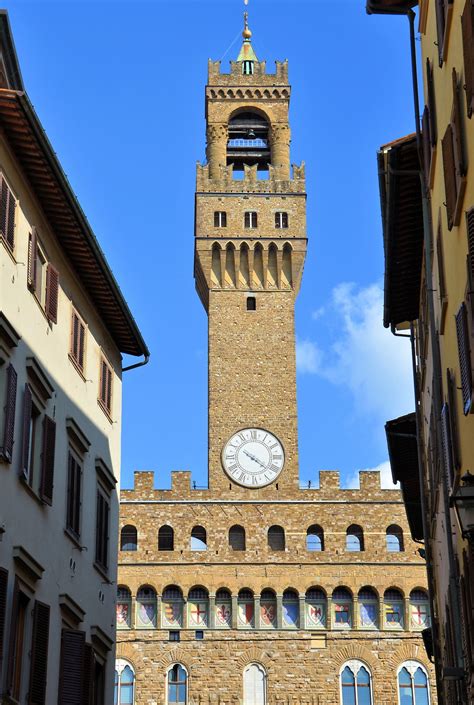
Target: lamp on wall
(463,503)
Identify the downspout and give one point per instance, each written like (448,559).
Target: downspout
(437,374)
(145,361)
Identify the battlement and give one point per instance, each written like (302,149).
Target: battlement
(250,183)
(216,77)
(329,489)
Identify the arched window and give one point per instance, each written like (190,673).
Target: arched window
(291,609)
(172,607)
(341,608)
(198,539)
(237,538)
(198,608)
(394,539)
(245,605)
(128,538)
(354,538)
(393,608)
(419,610)
(223,616)
(315,538)
(146,608)
(276,538)
(355,684)
(124,608)
(124,692)
(268,609)
(177,685)
(316,608)
(255,682)
(248,141)
(413,686)
(165,538)
(368,608)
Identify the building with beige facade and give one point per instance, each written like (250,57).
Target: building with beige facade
(63,328)
(427,195)
(254,590)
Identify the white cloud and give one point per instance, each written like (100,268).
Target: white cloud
(318,313)
(386,482)
(366,358)
(308,357)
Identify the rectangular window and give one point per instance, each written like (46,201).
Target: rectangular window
(281,220)
(8,390)
(78,341)
(467,24)
(220,219)
(454,166)
(74,482)
(102,530)
(7,214)
(251,303)
(174,636)
(464,352)
(17,641)
(250,219)
(105,386)
(444,10)
(39,654)
(43,278)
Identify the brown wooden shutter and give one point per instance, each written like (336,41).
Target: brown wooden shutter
(47,461)
(3,608)
(71,670)
(446,444)
(426,141)
(457,127)
(453,417)
(88,675)
(7,214)
(32,258)
(431,103)
(52,292)
(39,654)
(25,441)
(10,405)
(468,570)
(449,175)
(467,24)
(464,352)
(440,27)
(470,250)
(12,635)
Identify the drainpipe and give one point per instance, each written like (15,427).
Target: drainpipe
(437,369)
(145,361)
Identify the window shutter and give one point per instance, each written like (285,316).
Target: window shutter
(440,27)
(470,249)
(88,674)
(449,175)
(3,608)
(12,635)
(47,462)
(7,214)
(426,141)
(431,103)
(468,570)
(25,441)
(446,443)
(52,291)
(32,258)
(467,24)
(80,359)
(39,654)
(10,405)
(457,127)
(71,670)
(462,331)
(451,385)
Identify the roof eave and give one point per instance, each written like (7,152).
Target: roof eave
(389,7)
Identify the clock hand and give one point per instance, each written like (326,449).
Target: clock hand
(255,459)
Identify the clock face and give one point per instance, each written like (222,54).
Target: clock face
(253,457)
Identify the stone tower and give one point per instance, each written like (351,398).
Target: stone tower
(250,245)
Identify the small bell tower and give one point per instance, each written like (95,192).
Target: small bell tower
(250,245)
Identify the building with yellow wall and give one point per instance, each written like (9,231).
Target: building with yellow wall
(427,193)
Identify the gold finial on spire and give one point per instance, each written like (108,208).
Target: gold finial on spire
(246,33)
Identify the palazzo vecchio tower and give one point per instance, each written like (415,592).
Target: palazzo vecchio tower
(257,591)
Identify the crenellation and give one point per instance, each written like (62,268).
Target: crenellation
(251,182)
(260,77)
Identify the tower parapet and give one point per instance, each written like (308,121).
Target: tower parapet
(260,77)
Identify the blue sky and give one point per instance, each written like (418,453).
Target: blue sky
(119,87)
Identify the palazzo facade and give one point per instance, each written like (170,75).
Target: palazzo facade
(255,590)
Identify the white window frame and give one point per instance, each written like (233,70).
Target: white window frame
(262,668)
(412,666)
(120,665)
(253,220)
(356,664)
